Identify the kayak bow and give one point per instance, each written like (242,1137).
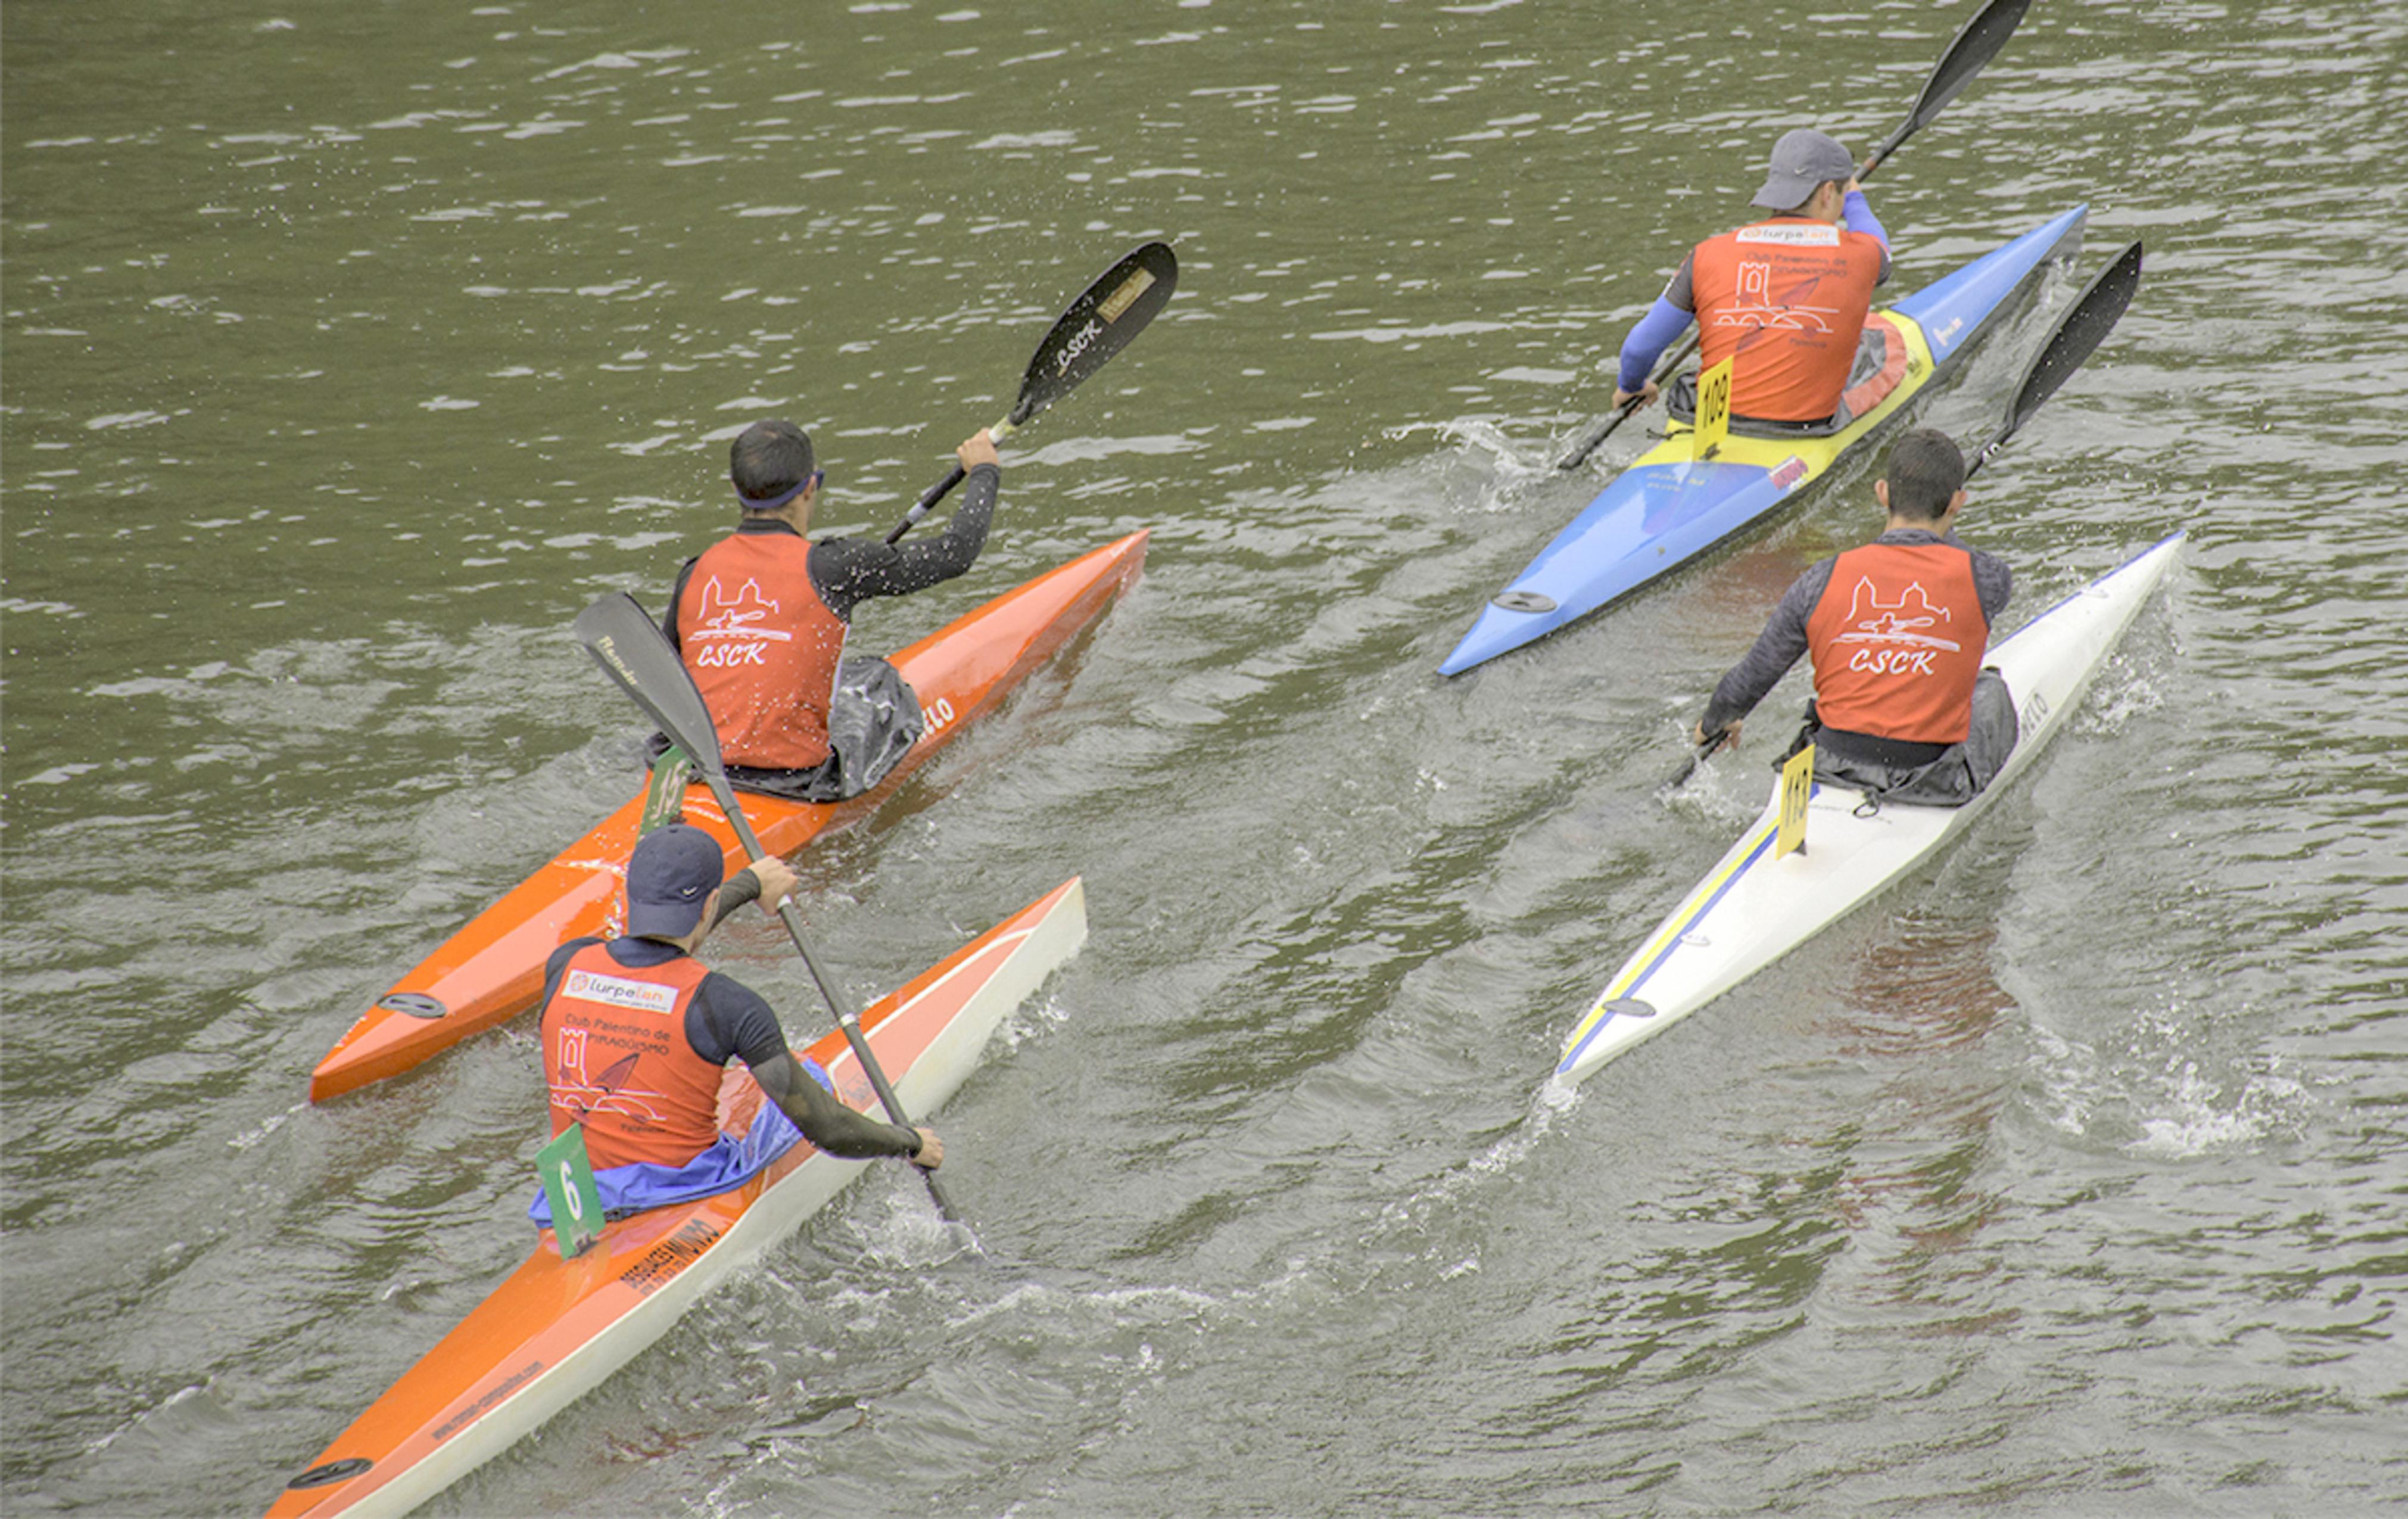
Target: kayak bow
(556,1328)
(492,969)
(1667,508)
(1751,908)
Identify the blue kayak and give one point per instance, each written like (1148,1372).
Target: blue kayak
(1668,507)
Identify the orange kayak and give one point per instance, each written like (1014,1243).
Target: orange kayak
(556,1328)
(492,971)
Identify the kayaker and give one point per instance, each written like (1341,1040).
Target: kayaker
(637,1037)
(761,616)
(1787,296)
(1904,706)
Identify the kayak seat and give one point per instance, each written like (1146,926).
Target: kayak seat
(874,718)
(1889,772)
(1880,364)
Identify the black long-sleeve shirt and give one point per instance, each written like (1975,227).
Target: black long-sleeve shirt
(1784,638)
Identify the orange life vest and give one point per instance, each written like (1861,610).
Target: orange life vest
(1897,641)
(764,648)
(617,1059)
(1788,297)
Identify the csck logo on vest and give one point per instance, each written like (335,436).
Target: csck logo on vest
(732,631)
(1901,626)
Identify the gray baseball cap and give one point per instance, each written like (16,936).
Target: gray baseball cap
(1801,160)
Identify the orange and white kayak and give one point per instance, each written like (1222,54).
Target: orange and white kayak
(556,1328)
(492,969)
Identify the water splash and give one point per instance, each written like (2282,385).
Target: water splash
(2163,1096)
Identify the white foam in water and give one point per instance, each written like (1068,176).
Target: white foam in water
(1516,464)
(2157,1100)
(904,1229)
(2067,1088)
(2202,1121)
(2122,691)
(1032,1019)
(246,1139)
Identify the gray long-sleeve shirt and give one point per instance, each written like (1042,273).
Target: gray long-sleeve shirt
(1784,638)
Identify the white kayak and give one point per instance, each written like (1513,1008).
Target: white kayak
(1751,908)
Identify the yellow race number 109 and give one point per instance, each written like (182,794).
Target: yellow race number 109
(1714,410)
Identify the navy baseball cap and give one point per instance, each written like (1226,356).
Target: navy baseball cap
(672,872)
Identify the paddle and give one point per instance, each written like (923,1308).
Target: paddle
(1689,766)
(632,651)
(2075,339)
(1093,328)
(1975,44)
(2090,318)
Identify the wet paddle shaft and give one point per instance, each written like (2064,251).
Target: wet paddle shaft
(1975,44)
(632,651)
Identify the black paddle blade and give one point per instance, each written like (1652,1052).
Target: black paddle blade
(1977,42)
(1969,52)
(1689,766)
(2079,332)
(635,652)
(1097,325)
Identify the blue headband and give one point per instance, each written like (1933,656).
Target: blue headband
(771,503)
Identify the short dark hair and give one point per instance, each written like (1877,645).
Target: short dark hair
(1926,468)
(769,459)
(1801,208)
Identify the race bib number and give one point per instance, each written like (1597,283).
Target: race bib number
(1713,412)
(665,801)
(1797,785)
(568,1186)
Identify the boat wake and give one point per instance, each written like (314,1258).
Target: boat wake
(1547,1107)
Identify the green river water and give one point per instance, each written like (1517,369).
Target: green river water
(350,350)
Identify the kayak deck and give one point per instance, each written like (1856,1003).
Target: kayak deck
(1667,508)
(1749,909)
(492,969)
(556,1328)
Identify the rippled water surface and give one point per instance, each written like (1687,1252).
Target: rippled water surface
(349,351)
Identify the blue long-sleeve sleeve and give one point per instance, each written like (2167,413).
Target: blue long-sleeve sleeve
(1648,340)
(1856,215)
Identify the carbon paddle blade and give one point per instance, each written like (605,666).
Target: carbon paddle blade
(1689,766)
(633,651)
(1977,42)
(1090,330)
(1969,52)
(1098,325)
(2086,322)
(2077,335)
